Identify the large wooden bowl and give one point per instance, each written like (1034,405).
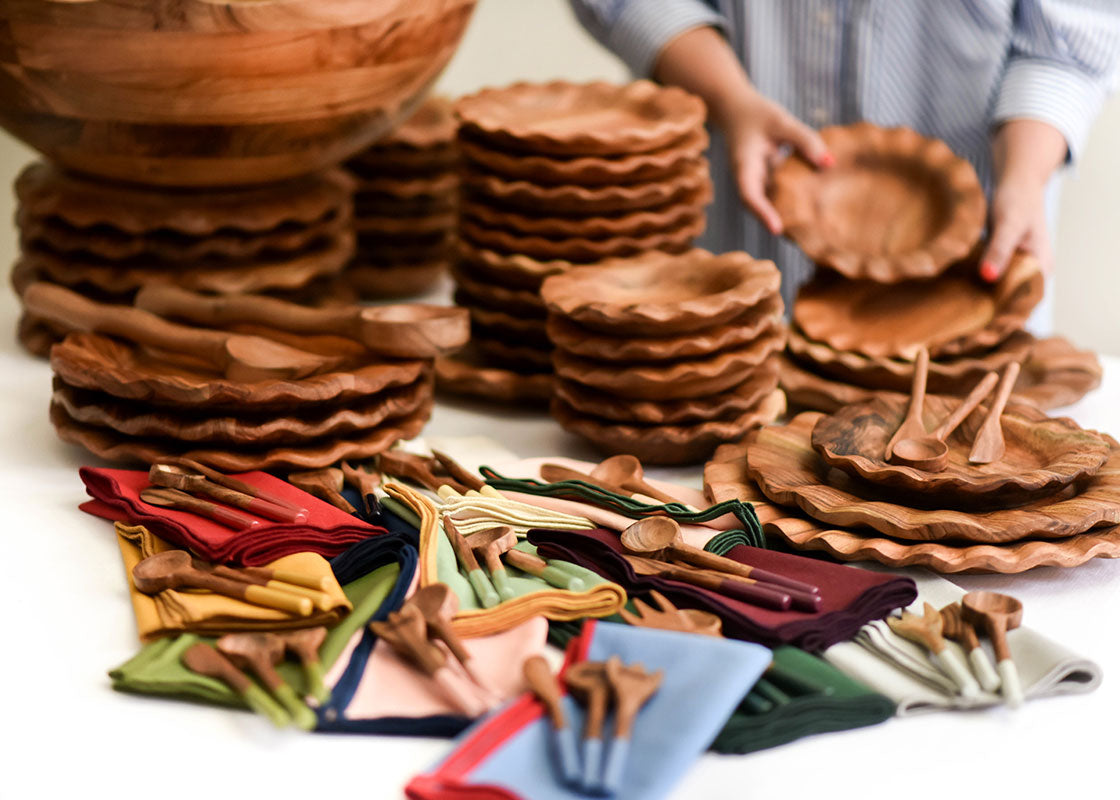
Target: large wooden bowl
(193,93)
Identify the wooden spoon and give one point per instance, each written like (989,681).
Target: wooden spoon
(539,568)
(236,485)
(931,453)
(172,569)
(438,605)
(205,660)
(366,480)
(419,469)
(632,687)
(954,627)
(554,473)
(483,589)
(248,359)
(491,544)
(988,446)
(543,683)
(260,652)
(174,477)
(926,631)
(998,613)
(401,331)
(626,471)
(326,484)
(912,426)
(320,599)
(754,593)
(181,501)
(670,618)
(457,471)
(588,682)
(305,645)
(656,535)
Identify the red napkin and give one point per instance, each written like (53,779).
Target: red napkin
(328,530)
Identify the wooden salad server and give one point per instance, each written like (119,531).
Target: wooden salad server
(172,569)
(998,613)
(483,589)
(203,659)
(632,688)
(457,471)
(248,359)
(587,681)
(305,644)
(544,686)
(626,471)
(173,477)
(420,469)
(326,484)
(926,631)
(555,473)
(931,452)
(238,486)
(668,617)
(655,535)
(181,501)
(366,480)
(402,330)
(491,544)
(320,599)
(954,627)
(762,595)
(438,605)
(260,652)
(912,426)
(539,568)
(988,446)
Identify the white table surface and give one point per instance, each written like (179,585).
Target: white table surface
(69,621)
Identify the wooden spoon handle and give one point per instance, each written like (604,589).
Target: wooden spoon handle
(539,568)
(258,595)
(912,422)
(989,445)
(979,392)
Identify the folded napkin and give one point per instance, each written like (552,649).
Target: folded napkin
(902,671)
(328,531)
(174,611)
(508,755)
(850,596)
(535,596)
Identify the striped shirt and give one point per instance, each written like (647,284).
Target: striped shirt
(950,69)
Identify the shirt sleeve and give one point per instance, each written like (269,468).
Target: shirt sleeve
(637,30)
(1064,60)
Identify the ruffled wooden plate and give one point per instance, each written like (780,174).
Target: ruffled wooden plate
(440,185)
(692,186)
(1055,374)
(673,240)
(371,204)
(312,454)
(47,191)
(667,444)
(36,335)
(781,460)
(491,295)
(946,376)
(725,478)
(742,330)
(676,380)
(657,294)
(138,419)
(466,374)
(502,325)
(399,225)
(385,159)
(568,119)
(221,276)
(727,405)
(413,250)
(519,357)
(512,271)
(92,361)
(635,223)
(380,282)
(894,206)
(431,125)
(955,315)
(1043,454)
(665,162)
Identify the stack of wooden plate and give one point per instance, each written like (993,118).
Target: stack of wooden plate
(559,174)
(666,356)
(894,228)
(107,240)
(406,206)
(822,483)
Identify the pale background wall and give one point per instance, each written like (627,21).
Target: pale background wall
(510,40)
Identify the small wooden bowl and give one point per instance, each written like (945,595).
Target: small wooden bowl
(467,374)
(193,93)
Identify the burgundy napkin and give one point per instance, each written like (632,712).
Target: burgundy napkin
(850,596)
(328,530)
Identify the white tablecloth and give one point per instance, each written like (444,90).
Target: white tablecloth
(69,621)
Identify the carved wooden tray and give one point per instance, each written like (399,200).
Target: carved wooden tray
(467,375)
(634,223)
(653,165)
(692,186)
(380,282)
(399,225)
(47,191)
(514,272)
(789,472)
(492,295)
(509,326)
(894,206)
(399,159)
(577,340)
(520,357)
(667,444)
(1043,454)
(725,405)
(91,361)
(432,125)
(671,240)
(957,314)
(138,419)
(439,185)
(725,478)
(658,294)
(567,119)
(312,454)
(675,380)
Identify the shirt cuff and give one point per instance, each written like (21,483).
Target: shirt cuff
(645,27)
(1059,95)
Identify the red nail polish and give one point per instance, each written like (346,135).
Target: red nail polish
(989,271)
(827,160)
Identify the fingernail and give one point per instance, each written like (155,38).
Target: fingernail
(827,160)
(989,271)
